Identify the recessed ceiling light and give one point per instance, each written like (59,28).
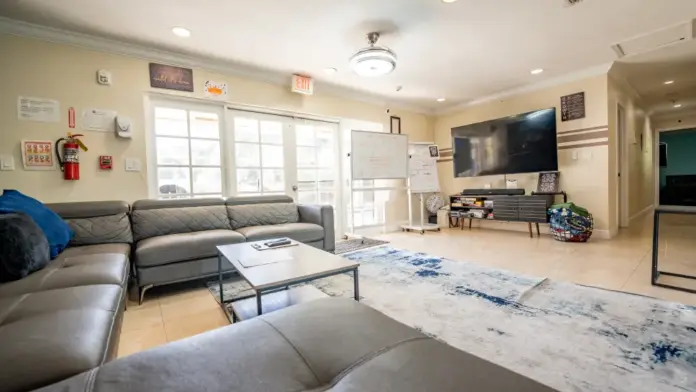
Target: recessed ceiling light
(669,82)
(330,71)
(678,105)
(441,100)
(181,32)
(536,71)
(448,1)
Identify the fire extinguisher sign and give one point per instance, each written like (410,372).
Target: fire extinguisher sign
(71,117)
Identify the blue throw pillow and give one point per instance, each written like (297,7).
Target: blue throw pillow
(56,230)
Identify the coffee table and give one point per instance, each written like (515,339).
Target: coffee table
(289,266)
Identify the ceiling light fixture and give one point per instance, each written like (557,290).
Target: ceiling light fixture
(330,71)
(441,100)
(669,82)
(448,1)
(181,32)
(373,60)
(677,105)
(536,71)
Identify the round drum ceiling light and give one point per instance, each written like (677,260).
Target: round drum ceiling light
(373,60)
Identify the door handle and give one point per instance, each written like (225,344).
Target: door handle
(294,188)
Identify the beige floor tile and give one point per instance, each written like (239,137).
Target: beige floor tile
(140,318)
(187,306)
(195,323)
(141,339)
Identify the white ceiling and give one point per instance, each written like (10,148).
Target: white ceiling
(462,51)
(648,72)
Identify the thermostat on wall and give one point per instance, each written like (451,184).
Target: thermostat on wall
(104,77)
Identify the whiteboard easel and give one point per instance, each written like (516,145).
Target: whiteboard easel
(376,156)
(423,178)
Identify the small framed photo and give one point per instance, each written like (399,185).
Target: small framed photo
(38,155)
(395,124)
(548,182)
(434,151)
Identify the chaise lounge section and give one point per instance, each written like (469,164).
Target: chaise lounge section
(330,344)
(66,318)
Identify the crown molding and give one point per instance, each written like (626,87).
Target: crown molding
(598,70)
(225,67)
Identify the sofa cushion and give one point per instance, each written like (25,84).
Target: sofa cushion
(101,230)
(23,247)
(150,223)
(96,222)
(262,214)
(48,347)
(57,232)
(302,232)
(182,247)
(80,266)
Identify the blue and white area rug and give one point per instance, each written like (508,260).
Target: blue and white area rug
(570,337)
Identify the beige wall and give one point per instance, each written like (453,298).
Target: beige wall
(585,178)
(67,74)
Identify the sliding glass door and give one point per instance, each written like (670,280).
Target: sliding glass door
(274,155)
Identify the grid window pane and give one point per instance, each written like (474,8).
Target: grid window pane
(205,152)
(304,175)
(246,130)
(307,197)
(248,180)
(207,180)
(326,179)
(272,156)
(306,157)
(204,125)
(328,198)
(172,151)
(273,180)
(173,180)
(304,135)
(170,122)
(271,132)
(247,155)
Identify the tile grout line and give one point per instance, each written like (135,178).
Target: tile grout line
(635,269)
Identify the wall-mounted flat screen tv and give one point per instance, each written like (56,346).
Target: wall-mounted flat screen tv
(525,143)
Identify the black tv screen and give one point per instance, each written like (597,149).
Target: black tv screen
(524,143)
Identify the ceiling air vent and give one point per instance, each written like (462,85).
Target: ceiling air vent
(569,3)
(657,39)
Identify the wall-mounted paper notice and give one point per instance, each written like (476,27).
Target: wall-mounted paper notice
(99,120)
(38,109)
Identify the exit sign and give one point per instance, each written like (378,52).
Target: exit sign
(302,84)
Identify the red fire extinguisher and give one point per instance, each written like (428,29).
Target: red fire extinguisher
(70,161)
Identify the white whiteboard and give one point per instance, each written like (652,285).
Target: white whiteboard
(378,155)
(422,169)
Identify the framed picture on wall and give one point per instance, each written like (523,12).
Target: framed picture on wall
(395,124)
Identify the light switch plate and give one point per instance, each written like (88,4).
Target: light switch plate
(133,165)
(7,162)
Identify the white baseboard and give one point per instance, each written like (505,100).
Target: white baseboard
(639,214)
(604,234)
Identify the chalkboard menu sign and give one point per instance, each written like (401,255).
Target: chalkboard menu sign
(171,78)
(573,107)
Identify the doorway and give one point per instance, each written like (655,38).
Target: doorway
(622,167)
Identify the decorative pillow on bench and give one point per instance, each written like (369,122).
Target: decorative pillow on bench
(23,247)
(57,232)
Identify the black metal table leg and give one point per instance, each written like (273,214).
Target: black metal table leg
(259,310)
(656,230)
(356,285)
(537,227)
(222,300)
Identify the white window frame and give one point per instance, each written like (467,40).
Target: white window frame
(152,165)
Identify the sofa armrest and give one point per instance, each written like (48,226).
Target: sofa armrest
(322,216)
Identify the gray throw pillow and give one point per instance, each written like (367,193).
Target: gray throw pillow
(23,247)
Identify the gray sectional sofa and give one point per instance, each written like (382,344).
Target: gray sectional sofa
(66,318)
(175,239)
(330,344)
